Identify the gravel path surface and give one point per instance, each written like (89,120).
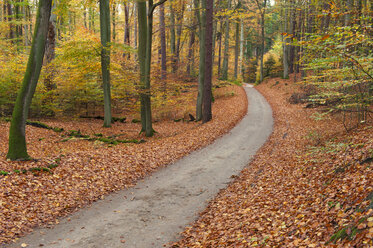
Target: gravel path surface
(158,208)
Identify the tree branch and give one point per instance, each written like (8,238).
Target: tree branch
(155,6)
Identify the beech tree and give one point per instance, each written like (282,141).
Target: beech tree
(17,136)
(145,20)
(105,58)
(207,115)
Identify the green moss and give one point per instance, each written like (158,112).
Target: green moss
(4,173)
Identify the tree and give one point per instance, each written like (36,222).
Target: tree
(17,136)
(201,18)
(105,58)
(145,21)
(226,46)
(207,115)
(162,34)
(262,10)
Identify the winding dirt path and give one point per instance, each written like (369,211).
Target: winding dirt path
(158,208)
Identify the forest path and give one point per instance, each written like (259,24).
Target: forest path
(159,207)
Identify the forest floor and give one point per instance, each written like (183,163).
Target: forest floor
(71,172)
(157,209)
(310,185)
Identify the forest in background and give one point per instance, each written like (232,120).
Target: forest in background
(149,61)
(328,42)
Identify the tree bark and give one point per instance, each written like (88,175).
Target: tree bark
(113,20)
(207,93)
(162,33)
(126,27)
(179,29)
(192,39)
(17,135)
(286,46)
(226,46)
(201,17)
(241,46)
(236,49)
(172,38)
(105,58)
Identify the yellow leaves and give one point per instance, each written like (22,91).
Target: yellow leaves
(24,245)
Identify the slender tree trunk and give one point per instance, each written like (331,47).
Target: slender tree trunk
(17,135)
(162,33)
(286,46)
(219,36)
(236,49)
(173,38)
(207,93)
(25,25)
(190,66)
(226,46)
(135,28)
(262,39)
(241,45)
(179,29)
(113,20)
(50,51)
(10,20)
(126,27)
(85,17)
(201,17)
(105,58)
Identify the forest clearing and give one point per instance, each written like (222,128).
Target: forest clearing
(103,97)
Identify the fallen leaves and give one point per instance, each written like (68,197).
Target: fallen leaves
(87,171)
(300,190)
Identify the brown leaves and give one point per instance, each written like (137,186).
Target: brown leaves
(89,170)
(292,195)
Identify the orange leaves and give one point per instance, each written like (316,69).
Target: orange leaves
(87,171)
(289,196)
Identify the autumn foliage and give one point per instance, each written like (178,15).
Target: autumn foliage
(310,185)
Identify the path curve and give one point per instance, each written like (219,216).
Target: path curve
(158,208)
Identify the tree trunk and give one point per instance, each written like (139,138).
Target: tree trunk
(126,26)
(135,28)
(207,93)
(236,50)
(50,50)
(226,46)
(173,38)
(241,46)
(201,17)
(10,20)
(25,25)
(142,25)
(262,40)
(286,46)
(17,136)
(113,20)
(105,58)
(162,33)
(190,66)
(179,29)
(219,37)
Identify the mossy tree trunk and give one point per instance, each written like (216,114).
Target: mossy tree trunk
(105,58)
(145,20)
(17,135)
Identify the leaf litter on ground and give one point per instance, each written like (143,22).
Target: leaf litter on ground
(310,185)
(85,171)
